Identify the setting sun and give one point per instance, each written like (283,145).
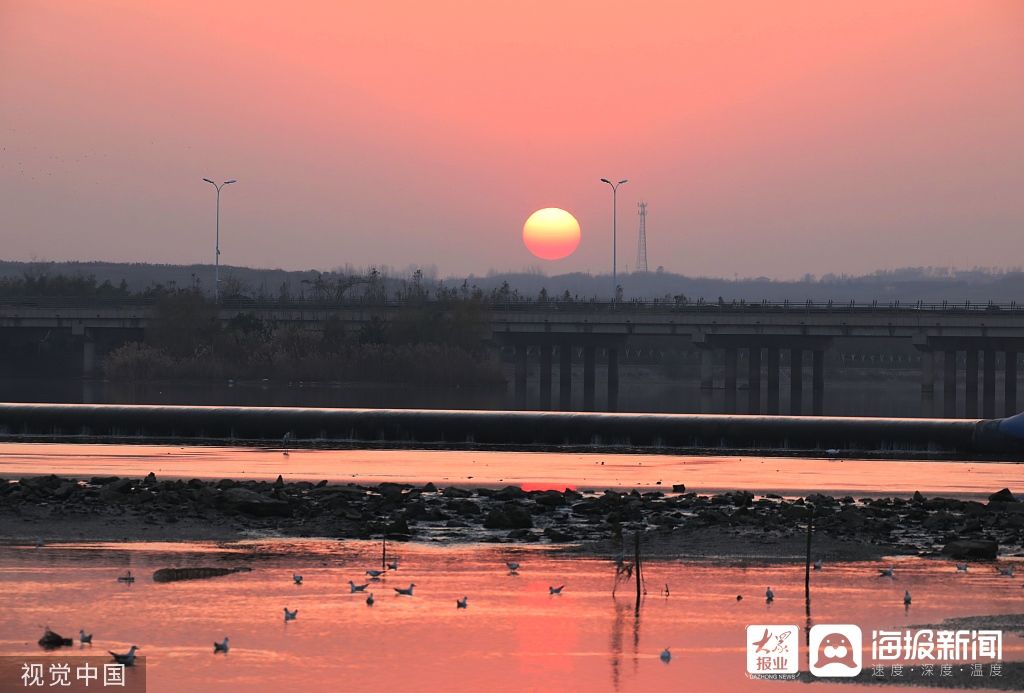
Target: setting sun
(551,233)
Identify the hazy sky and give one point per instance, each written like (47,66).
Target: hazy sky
(767,137)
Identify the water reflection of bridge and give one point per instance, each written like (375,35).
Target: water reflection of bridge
(784,345)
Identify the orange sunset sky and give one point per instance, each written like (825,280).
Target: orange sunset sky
(768,138)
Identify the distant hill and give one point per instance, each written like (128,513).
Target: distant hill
(907,285)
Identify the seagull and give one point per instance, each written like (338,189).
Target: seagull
(357,588)
(85,638)
(127,577)
(128,659)
(1007,571)
(393,565)
(769,596)
(290,615)
(760,643)
(286,438)
(406,591)
(961,567)
(461,603)
(375,573)
(906,598)
(739,597)
(512,566)
(817,564)
(369,600)
(666,656)
(555,590)
(221,646)
(887,572)
(297,579)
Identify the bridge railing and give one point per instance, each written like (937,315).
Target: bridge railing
(56,304)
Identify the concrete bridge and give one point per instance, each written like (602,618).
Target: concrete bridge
(778,339)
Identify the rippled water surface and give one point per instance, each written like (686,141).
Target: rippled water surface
(513,636)
(794,476)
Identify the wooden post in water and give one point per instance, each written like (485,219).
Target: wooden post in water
(637,567)
(807,567)
(384,552)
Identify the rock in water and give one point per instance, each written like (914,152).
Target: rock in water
(175,574)
(1002,496)
(971,548)
(51,640)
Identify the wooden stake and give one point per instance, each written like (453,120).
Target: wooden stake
(384,552)
(637,568)
(807,567)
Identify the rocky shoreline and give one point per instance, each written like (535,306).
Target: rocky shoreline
(675,523)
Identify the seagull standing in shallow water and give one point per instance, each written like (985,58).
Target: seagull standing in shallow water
(887,572)
(297,579)
(513,567)
(906,598)
(369,600)
(375,574)
(556,590)
(290,615)
(961,567)
(817,564)
(461,603)
(393,565)
(406,590)
(769,596)
(666,656)
(128,658)
(357,588)
(84,638)
(221,646)
(1006,572)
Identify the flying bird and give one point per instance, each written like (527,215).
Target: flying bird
(290,615)
(461,603)
(406,590)
(221,646)
(128,658)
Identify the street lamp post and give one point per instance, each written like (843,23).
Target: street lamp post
(216,257)
(615,209)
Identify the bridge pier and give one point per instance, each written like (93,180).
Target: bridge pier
(520,376)
(565,376)
(545,376)
(988,385)
(949,383)
(754,380)
(88,355)
(1010,383)
(796,381)
(613,379)
(589,368)
(730,380)
(772,405)
(927,382)
(707,378)
(818,382)
(971,384)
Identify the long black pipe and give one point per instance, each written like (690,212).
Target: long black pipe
(981,439)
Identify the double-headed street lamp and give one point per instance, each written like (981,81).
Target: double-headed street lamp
(615,191)
(216,257)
